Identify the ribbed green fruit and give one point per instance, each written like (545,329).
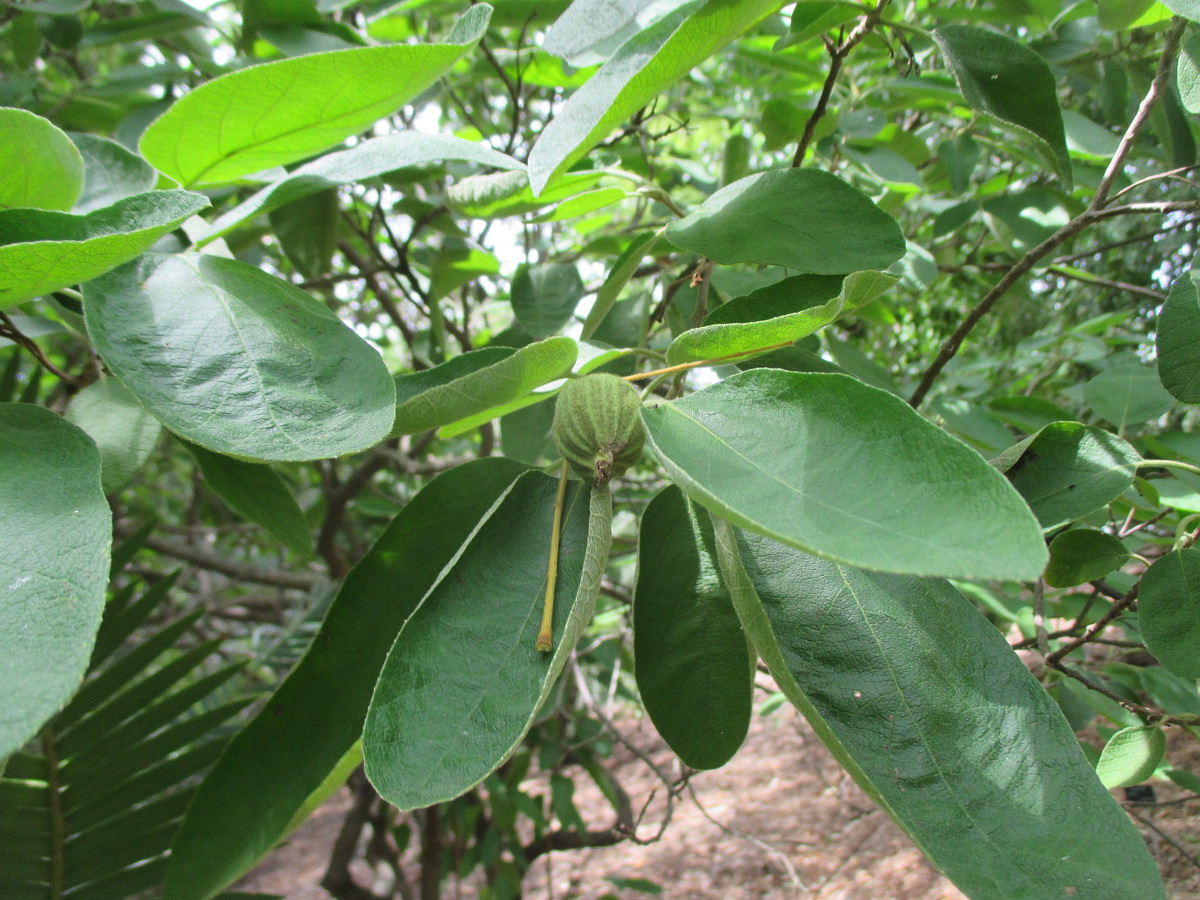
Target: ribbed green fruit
(598,426)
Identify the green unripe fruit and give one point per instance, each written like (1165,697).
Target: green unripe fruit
(598,426)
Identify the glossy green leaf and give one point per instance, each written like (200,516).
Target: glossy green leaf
(39,166)
(1068,470)
(238,361)
(1169,611)
(277,761)
(1187,74)
(1007,79)
(125,433)
(463,681)
(256,492)
(849,472)
(1127,395)
(591,30)
(693,665)
(455,390)
(928,708)
(1177,340)
(640,69)
(544,296)
(804,219)
(1131,756)
(44,251)
(582,204)
(717,340)
(780,298)
(111,173)
(54,568)
(1082,555)
(278,112)
(370,159)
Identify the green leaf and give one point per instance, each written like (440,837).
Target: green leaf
(591,357)
(928,708)
(307,231)
(277,761)
(370,159)
(442,719)
(693,666)
(238,361)
(111,173)
(1189,9)
(591,30)
(125,433)
(256,492)
(54,568)
(1177,340)
(642,67)
(1187,74)
(622,270)
(41,252)
(1169,611)
(1068,470)
(279,112)
(455,390)
(711,341)
(803,219)
(39,166)
(1082,555)
(544,296)
(813,17)
(809,458)
(1117,15)
(1131,756)
(1127,395)
(1009,80)
(503,194)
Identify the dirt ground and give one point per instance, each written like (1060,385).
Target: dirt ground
(782,820)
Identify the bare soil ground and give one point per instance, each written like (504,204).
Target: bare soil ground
(782,820)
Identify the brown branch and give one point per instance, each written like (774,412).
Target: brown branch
(238,571)
(837,56)
(1152,294)
(340,498)
(1136,239)
(14,334)
(337,879)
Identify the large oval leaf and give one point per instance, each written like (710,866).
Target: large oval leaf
(803,219)
(849,472)
(476,382)
(935,717)
(281,758)
(1178,340)
(54,568)
(1068,470)
(1127,395)
(693,665)
(731,338)
(370,159)
(1009,80)
(238,361)
(641,68)
(463,681)
(44,251)
(279,112)
(1169,611)
(39,166)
